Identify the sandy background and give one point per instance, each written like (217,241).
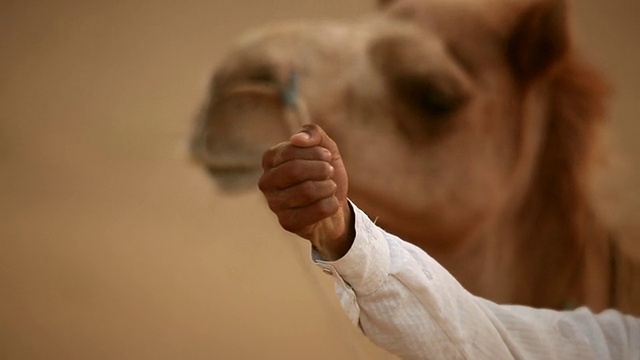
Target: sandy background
(113,246)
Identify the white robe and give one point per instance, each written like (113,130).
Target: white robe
(407,303)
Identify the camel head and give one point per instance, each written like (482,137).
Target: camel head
(451,116)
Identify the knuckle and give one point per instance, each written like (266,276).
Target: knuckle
(264,183)
(333,187)
(295,172)
(327,170)
(267,159)
(308,191)
(274,156)
(289,224)
(327,206)
(285,153)
(323,153)
(325,188)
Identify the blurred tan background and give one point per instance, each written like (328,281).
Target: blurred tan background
(113,246)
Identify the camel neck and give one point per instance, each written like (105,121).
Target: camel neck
(543,256)
(561,256)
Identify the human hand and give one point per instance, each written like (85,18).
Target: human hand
(305,184)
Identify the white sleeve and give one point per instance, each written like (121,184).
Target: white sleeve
(405,302)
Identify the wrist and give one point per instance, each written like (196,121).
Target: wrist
(336,247)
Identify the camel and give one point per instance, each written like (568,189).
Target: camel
(468,128)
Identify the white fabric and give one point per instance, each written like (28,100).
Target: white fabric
(405,302)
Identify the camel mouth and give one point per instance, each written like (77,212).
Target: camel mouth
(236,179)
(231,174)
(247,113)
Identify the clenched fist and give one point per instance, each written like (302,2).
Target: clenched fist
(305,184)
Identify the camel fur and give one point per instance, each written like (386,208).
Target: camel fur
(468,127)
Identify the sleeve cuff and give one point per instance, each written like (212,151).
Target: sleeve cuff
(365,266)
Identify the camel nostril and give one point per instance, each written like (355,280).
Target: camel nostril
(251,72)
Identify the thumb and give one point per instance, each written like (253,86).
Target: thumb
(330,236)
(313,135)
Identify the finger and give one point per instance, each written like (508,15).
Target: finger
(284,152)
(269,156)
(303,219)
(300,195)
(313,135)
(289,153)
(294,172)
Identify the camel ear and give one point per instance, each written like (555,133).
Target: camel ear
(540,39)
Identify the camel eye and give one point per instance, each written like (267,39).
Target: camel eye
(433,97)
(420,76)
